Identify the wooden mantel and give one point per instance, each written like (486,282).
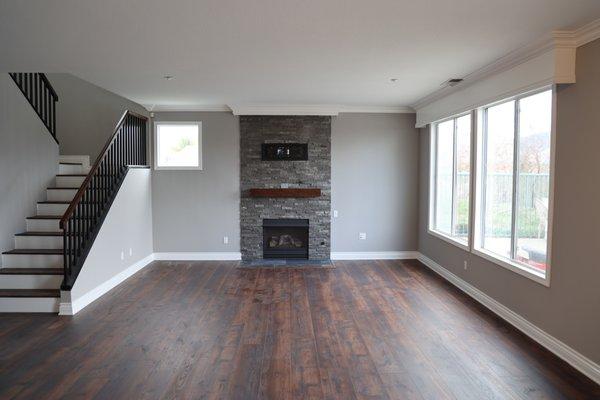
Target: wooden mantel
(281,193)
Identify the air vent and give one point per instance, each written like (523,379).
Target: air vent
(452,82)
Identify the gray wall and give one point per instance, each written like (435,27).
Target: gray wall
(28,161)
(128,225)
(194,209)
(377,153)
(374,176)
(569,308)
(86,114)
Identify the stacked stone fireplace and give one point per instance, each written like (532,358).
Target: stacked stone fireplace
(285,227)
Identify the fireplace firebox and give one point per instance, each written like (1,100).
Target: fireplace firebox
(285,238)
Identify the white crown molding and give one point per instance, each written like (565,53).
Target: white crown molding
(510,60)
(565,40)
(313,109)
(587,33)
(560,349)
(376,109)
(189,107)
(281,109)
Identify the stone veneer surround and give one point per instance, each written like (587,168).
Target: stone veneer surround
(314,173)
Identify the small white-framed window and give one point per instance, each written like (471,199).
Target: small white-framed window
(513,188)
(177,145)
(450,182)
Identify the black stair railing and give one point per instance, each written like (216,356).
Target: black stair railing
(86,212)
(40,94)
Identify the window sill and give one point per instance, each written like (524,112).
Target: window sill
(178,168)
(449,239)
(538,277)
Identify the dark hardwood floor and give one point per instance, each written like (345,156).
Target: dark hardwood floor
(368,329)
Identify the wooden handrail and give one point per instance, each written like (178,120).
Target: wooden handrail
(40,94)
(82,220)
(49,85)
(94,168)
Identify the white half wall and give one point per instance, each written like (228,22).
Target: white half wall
(123,246)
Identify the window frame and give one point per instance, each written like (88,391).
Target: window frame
(178,168)
(433,148)
(479,189)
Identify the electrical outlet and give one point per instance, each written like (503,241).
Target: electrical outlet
(122,255)
(362,236)
(225,239)
(466,265)
(335,213)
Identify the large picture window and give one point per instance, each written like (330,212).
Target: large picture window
(514,183)
(451,179)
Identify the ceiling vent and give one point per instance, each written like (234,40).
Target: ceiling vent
(452,82)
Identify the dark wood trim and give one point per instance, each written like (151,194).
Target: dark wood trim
(29,293)
(57,252)
(94,167)
(283,193)
(43,233)
(38,91)
(31,271)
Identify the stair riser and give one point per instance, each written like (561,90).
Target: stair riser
(69,181)
(29,304)
(43,225)
(60,194)
(38,242)
(32,260)
(30,282)
(70,169)
(51,209)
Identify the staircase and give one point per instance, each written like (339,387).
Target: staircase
(50,254)
(32,273)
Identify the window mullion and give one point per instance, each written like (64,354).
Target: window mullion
(435,175)
(454,178)
(513,233)
(483,181)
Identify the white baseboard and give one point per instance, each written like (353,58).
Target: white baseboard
(69,307)
(374,255)
(199,256)
(560,349)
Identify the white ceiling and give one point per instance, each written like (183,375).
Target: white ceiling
(274,51)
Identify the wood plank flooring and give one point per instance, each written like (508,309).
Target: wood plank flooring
(210,330)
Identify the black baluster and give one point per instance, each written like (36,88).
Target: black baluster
(53,116)
(70,240)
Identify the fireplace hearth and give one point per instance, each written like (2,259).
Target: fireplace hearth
(285,238)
